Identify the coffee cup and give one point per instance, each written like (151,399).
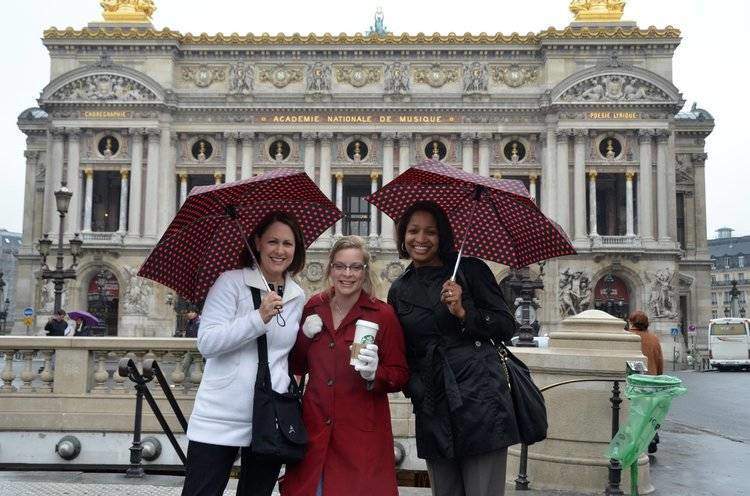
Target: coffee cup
(364,334)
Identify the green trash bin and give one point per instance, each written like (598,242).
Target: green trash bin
(650,398)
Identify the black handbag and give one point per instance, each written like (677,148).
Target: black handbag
(528,403)
(278,432)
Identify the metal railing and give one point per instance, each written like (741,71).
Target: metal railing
(615,470)
(128,368)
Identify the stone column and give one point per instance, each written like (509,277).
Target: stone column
(183,187)
(53,180)
(467,151)
(74,162)
(122,226)
(167,180)
(217,178)
(386,222)
(645,187)
(549,196)
(699,176)
(325,169)
(579,185)
(309,140)
(88,208)
(374,175)
(691,221)
(532,186)
(136,183)
(339,200)
(484,154)
(592,204)
(28,235)
(563,180)
(150,219)
(629,204)
(231,157)
(404,152)
(246,167)
(662,181)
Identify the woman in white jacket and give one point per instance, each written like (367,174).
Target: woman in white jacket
(221,422)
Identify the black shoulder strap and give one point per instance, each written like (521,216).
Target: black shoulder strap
(262,341)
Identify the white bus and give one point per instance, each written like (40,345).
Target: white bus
(729,343)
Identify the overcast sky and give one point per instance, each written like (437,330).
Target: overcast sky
(709,67)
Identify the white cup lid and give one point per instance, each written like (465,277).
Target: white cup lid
(368,324)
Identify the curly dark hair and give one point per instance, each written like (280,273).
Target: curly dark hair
(445,233)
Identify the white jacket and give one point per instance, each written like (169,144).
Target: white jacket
(227,338)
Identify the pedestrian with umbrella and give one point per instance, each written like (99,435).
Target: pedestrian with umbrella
(206,246)
(83,321)
(451,309)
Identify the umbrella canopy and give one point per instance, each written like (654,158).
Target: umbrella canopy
(494,219)
(88,318)
(208,234)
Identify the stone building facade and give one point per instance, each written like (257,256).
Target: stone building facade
(730,263)
(586,116)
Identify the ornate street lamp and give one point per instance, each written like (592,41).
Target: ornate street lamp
(59,274)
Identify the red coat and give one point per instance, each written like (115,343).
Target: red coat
(351,442)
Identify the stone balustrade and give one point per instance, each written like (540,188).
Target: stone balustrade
(69,385)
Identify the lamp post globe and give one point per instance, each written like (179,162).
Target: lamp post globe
(62,197)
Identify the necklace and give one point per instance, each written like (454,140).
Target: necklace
(337,308)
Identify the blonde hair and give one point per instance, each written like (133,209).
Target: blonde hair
(371,282)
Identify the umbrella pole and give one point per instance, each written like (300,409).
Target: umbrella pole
(477,194)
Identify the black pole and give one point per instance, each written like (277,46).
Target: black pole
(136,469)
(59,280)
(615,470)
(522,481)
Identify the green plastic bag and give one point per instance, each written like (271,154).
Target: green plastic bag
(650,398)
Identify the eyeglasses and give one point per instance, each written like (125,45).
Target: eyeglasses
(355,268)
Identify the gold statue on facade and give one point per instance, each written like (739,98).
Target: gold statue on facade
(597,10)
(128,10)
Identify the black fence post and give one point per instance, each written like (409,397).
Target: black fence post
(136,450)
(522,481)
(615,470)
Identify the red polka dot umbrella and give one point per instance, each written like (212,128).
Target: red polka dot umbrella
(494,219)
(208,234)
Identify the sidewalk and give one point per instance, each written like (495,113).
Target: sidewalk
(87,484)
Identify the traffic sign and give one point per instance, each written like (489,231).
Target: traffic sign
(28,321)
(28,312)
(675,331)
(691,328)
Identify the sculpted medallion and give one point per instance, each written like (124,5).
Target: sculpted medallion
(515,75)
(203,75)
(392,271)
(357,75)
(280,75)
(435,75)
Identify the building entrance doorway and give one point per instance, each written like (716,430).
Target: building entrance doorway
(611,295)
(103,297)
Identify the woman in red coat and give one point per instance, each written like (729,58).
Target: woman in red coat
(345,409)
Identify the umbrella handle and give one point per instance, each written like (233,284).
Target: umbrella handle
(477,197)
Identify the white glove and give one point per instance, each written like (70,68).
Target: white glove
(312,326)
(368,362)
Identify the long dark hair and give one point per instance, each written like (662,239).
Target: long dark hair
(298,260)
(445,233)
